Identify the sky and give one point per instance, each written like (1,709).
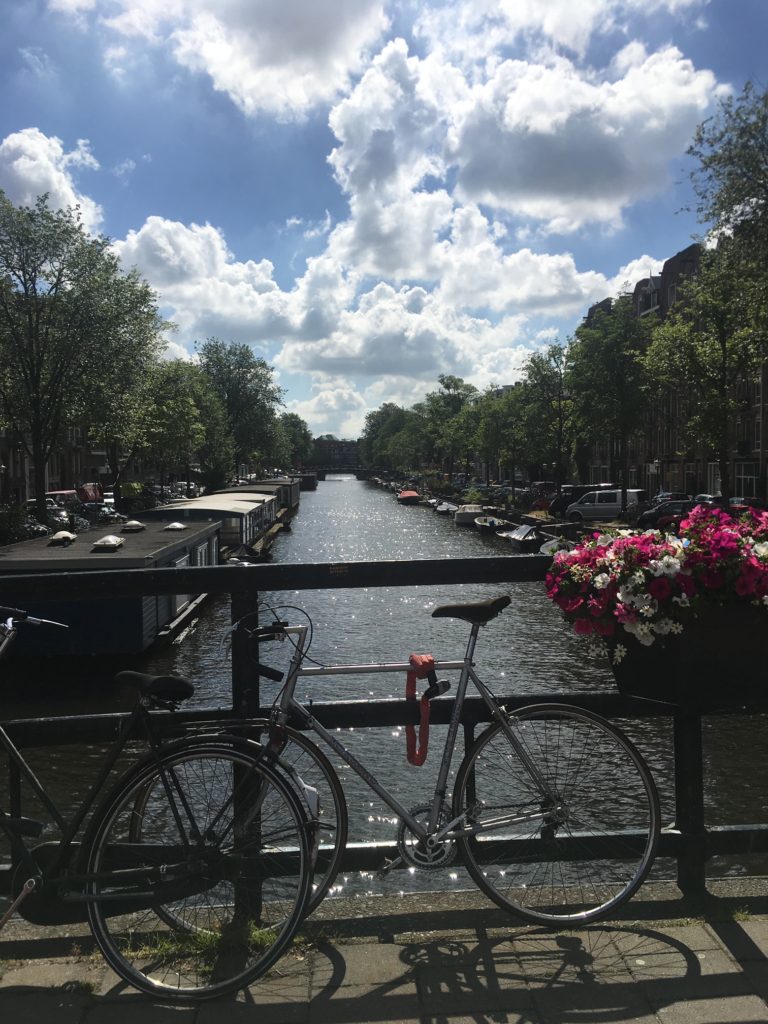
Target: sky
(372,193)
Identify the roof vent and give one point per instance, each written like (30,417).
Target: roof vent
(63,538)
(109,543)
(133,526)
(175,526)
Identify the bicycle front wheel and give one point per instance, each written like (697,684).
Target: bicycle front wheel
(569,841)
(203,894)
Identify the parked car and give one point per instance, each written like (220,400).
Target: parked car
(31,504)
(663,496)
(605,505)
(666,516)
(572,492)
(741,504)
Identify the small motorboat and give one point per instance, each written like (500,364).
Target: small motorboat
(490,524)
(409,497)
(446,508)
(524,539)
(555,544)
(465,515)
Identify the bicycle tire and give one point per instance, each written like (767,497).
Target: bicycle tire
(314,767)
(597,841)
(209,913)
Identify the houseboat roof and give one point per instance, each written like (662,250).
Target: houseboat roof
(140,549)
(266,490)
(234,505)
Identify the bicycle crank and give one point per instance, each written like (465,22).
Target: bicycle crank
(428,854)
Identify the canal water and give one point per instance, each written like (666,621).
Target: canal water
(527,650)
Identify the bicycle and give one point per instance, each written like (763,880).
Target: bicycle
(195,867)
(530,814)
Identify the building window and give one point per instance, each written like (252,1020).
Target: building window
(745,479)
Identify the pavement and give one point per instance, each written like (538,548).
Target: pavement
(447,960)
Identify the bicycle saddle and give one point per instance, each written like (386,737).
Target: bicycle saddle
(476,612)
(164,687)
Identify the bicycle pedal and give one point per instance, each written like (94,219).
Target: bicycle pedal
(387,866)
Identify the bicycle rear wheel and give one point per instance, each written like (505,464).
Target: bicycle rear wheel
(579,849)
(202,896)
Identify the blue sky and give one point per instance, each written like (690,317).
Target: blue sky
(373,193)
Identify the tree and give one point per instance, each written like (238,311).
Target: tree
(380,426)
(246,386)
(489,433)
(548,410)
(706,348)
(607,377)
(299,445)
(175,432)
(72,324)
(731,179)
(445,437)
(187,425)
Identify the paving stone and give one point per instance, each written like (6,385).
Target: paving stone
(40,1006)
(623,1002)
(133,1009)
(733,1010)
(355,1004)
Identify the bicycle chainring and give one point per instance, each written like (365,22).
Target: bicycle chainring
(416,852)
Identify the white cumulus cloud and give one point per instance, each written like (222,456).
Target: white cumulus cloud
(32,164)
(281,57)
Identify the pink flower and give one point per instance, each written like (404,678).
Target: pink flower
(583,626)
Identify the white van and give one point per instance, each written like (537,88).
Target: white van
(604,505)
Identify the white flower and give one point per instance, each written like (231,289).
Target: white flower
(761,549)
(667,565)
(682,600)
(619,652)
(601,581)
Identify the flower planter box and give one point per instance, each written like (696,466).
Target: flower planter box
(719,660)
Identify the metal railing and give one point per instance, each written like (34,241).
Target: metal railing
(689,840)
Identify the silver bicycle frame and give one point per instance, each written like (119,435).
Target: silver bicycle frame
(288,704)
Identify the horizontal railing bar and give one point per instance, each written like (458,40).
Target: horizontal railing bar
(359,670)
(373,714)
(241,579)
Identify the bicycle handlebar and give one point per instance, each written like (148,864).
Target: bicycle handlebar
(19,615)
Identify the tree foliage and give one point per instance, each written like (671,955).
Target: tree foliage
(708,350)
(75,330)
(245,384)
(608,378)
(297,445)
(731,179)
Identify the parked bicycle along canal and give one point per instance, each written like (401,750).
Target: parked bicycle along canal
(528,650)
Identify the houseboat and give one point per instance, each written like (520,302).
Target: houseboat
(104,625)
(285,490)
(242,518)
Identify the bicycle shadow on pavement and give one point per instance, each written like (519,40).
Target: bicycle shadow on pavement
(534,975)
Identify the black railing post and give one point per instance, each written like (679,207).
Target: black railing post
(245,680)
(689,802)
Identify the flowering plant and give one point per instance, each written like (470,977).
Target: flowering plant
(649,584)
